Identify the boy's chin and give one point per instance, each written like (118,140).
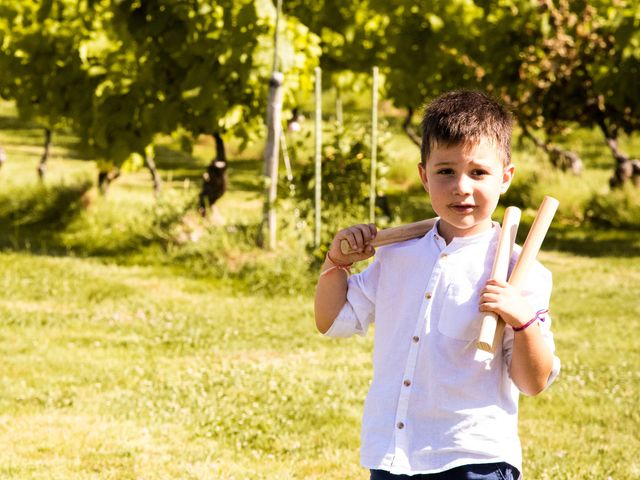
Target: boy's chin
(465,229)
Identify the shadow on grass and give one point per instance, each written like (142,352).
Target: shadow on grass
(33,219)
(594,242)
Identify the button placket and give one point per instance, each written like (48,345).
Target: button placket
(401,440)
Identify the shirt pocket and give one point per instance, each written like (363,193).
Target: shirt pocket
(460,315)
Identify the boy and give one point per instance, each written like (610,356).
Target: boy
(434,410)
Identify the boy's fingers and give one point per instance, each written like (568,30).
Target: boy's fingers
(488,307)
(359,239)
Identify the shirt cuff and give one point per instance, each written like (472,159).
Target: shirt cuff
(346,324)
(555,371)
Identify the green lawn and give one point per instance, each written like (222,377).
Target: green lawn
(138,372)
(136,365)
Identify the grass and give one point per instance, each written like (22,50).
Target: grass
(144,359)
(115,371)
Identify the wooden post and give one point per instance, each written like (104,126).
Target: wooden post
(374,146)
(271,157)
(318,156)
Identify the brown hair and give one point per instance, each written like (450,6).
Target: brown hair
(464,116)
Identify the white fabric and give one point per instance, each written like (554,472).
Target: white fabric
(455,408)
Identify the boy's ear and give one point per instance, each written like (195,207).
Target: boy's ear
(423,177)
(507,177)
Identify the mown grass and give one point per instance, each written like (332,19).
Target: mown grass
(115,371)
(129,354)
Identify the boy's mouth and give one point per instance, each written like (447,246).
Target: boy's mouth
(462,207)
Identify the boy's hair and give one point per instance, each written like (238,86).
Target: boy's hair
(464,116)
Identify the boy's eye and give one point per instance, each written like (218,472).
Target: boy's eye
(445,171)
(479,173)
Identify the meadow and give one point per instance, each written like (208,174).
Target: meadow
(130,353)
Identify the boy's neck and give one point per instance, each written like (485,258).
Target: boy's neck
(449,232)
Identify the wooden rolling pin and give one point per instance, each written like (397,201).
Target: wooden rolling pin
(523,265)
(395,234)
(500,271)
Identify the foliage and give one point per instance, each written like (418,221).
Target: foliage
(618,208)
(40,67)
(554,62)
(121,72)
(346,180)
(351,34)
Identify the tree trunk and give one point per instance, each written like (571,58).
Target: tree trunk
(151,165)
(42,167)
(562,159)
(105,178)
(406,125)
(625,168)
(214,182)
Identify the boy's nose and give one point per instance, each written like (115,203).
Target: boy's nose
(463,185)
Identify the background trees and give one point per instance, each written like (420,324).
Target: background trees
(120,73)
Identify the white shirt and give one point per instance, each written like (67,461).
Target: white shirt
(433,404)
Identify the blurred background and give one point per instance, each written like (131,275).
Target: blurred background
(172,172)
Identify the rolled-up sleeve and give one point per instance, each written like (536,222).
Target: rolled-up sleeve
(537,292)
(358,311)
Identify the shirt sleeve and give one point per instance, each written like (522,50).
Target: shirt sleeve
(359,310)
(537,291)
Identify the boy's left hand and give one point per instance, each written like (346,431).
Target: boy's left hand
(506,301)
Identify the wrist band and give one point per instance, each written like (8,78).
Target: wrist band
(539,316)
(336,266)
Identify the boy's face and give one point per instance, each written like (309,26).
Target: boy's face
(465,183)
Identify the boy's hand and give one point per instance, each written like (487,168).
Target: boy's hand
(506,301)
(359,238)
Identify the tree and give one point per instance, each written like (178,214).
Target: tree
(39,64)
(575,64)
(201,65)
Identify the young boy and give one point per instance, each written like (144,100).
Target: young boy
(434,409)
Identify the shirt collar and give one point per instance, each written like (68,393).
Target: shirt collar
(458,242)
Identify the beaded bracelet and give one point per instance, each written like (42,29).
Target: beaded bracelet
(539,316)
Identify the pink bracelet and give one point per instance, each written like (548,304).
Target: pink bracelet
(539,316)
(336,266)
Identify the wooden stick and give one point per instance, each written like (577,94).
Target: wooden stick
(500,271)
(530,250)
(395,234)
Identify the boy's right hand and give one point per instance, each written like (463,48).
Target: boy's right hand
(359,237)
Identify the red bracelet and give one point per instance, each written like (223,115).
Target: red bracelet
(336,266)
(539,316)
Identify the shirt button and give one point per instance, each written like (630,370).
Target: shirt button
(415,339)
(443,255)
(400,425)
(427,295)
(407,383)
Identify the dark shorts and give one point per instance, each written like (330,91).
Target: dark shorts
(484,471)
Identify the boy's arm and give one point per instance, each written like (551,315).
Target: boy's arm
(331,290)
(531,358)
